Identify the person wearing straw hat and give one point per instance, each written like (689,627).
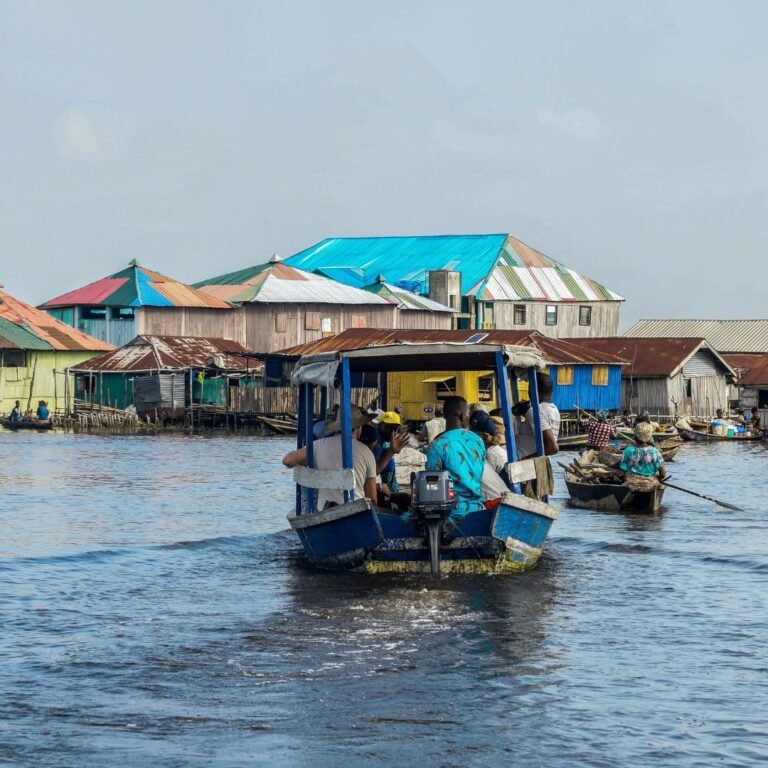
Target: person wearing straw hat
(328,455)
(643,458)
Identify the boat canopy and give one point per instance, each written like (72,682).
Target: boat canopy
(322,369)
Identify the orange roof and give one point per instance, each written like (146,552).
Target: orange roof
(22,320)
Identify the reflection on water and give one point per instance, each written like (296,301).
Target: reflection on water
(155,612)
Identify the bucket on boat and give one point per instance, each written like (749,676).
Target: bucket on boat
(731,432)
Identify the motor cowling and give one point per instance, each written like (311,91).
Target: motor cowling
(433,498)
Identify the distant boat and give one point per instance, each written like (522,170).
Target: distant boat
(282,426)
(697,435)
(26,424)
(571,442)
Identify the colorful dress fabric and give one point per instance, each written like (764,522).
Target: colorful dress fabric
(646,461)
(462,453)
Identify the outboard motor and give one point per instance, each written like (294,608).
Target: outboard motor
(432,500)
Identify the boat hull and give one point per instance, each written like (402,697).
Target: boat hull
(359,536)
(613,498)
(706,437)
(16,425)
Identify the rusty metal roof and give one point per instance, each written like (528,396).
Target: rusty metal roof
(26,327)
(752,369)
(171,353)
(554,351)
(657,357)
(722,335)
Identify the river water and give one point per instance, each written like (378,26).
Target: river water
(155,612)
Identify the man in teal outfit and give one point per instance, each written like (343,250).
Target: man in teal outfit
(462,453)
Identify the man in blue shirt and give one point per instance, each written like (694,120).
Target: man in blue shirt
(16,412)
(462,453)
(43,414)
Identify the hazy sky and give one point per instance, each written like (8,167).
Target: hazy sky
(626,139)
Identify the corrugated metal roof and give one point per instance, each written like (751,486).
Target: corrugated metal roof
(14,336)
(136,286)
(278,283)
(752,369)
(555,351)
(722,335)
(171,353)
(493,267)
(660,357)
(406,300)
(23,326)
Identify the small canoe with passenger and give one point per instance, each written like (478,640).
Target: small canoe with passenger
(359,534)
(595,481)
(700,435)
(626,433)
(26,424)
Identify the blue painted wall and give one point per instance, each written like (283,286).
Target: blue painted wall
(585,394)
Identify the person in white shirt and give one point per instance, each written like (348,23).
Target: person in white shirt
(328,455)
(550,422)
(491,484)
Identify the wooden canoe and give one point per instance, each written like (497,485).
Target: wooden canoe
(281,426)
(27,424)
(668,454)
(612,498)
(569,442)
(628,434)
(696,435)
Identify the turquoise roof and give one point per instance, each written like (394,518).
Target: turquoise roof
(493,267)
(358,261)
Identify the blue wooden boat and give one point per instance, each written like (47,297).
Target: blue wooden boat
(358,535)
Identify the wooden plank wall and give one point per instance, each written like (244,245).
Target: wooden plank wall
(605,318)
(272,327)
(192,321)
(659,395)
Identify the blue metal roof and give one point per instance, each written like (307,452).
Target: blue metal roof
(358,261)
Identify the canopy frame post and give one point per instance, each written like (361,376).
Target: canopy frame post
(502,387)
(309,440)
(533,393)
(346,423)
(300,439)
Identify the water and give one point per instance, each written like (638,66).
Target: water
(155,612)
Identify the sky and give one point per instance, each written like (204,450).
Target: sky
(625,139)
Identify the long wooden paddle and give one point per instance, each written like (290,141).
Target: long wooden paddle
(703,496)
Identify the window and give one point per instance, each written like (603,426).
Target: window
(519,314)
(123,313)
(485,393)
(359,321)
(281,323)
(551,318)
(454,299)
(312,321)
(600,375)
(565,375)
(13,358)
(585,315)
(93,313)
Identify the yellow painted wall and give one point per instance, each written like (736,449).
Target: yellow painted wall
(410,392)
(15,383)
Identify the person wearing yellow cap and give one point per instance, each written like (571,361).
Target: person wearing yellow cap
(391,442)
